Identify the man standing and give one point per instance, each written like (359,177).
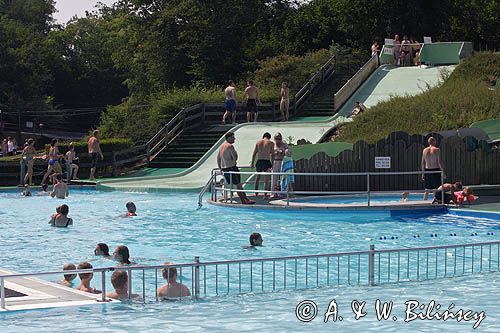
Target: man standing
(94,149)
(226,160)
(253,100)
(230,103)
(431,161)
(264,152)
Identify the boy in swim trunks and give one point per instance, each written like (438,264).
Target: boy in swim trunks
(94,149)
(230,102)
(252,96)
(431,161)
(264,152)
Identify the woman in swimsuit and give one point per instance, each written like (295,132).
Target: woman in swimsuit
(280,150)
(27,158)
(285,101)
(53,161)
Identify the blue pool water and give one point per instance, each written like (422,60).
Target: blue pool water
(360,199)
(170,227)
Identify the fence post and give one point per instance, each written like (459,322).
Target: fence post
(371,265)
(113,172)
(287,191)
(103,285)
(2,293)
(368,187)
(197,277)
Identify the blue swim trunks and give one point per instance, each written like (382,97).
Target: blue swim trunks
(230,105)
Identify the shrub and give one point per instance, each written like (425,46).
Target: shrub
(463,98)
(107,145)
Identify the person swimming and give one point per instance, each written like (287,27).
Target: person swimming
(102,249)
(465,194)
(131,209)
(61,219)
(122,255)
(68,278)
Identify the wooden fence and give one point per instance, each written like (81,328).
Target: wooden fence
(466,159)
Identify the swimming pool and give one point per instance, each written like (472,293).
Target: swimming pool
(170,227)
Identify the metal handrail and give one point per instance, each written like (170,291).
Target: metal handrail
(370,268)
(305,91)
(368,191)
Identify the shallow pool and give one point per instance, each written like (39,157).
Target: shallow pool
(171,227)
(360,199)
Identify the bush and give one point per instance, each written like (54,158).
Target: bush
(464,97)
(107,145)
(139,120)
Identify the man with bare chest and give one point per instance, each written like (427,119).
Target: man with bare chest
(263,153)
(252,96)
(431,161)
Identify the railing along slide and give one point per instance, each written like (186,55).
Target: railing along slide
(357,268)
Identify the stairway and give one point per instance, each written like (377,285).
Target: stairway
(321,103)
(188,148)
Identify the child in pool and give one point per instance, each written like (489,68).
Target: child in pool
(131,209)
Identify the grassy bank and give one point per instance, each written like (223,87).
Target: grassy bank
(465,96)
(139,123)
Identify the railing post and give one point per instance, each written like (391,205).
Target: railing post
(231,186)
(368,188)
(371,265)
(103,285)
(2,293)
(287,191)
(442,188)
(197,277)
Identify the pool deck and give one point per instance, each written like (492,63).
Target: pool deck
(43,294)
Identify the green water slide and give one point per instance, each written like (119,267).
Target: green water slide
(384,82)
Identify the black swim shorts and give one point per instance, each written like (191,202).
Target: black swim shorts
(251,105)
(93,163)
(235,178)
(263,165)
(432,180)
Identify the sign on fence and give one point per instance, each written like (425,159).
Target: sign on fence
(382,162)
(427,40)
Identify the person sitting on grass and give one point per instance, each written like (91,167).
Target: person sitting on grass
(119,280)
(102,249)
(131,209)
(85,279)
(68,278)
(122,255)
(172,289)
(61,219)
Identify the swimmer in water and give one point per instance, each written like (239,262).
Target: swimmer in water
(85,279)
(60,189)
(119,280)
(68,278)
(255,240)
(122,255)
(131,209)
(26,191)
(102,249)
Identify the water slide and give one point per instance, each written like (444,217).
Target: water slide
(385,82)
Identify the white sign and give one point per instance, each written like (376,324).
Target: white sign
(383,162)
(427,40)
(29,124)
(387,50)
(389,41)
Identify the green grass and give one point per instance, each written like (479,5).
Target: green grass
(464,97)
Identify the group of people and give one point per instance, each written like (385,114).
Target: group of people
(119,279)
(9,146)
(56,160)
(406,52)
(432,171)
(267,156)
(252,102)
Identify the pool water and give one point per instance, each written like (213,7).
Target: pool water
(170,227)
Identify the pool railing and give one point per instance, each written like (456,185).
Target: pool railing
(358,268)
(227,188)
